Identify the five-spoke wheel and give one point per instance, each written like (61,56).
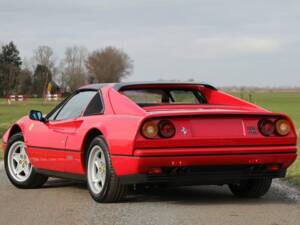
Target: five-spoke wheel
(97,169)
(18,167)
(103,184)
(18,162)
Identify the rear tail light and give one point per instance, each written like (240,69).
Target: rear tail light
(283,127)
(166,129)
(155,129)
(150,129)
(266,127)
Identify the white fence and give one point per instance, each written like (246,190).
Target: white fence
(50,97)
(16,98)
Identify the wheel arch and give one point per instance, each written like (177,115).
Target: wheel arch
(13,130)
(90,135)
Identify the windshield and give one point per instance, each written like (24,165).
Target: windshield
(154,96)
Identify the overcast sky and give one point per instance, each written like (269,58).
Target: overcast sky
(223,42)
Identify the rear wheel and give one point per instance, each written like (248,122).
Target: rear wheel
(251,188)
(18,166)
(103,184)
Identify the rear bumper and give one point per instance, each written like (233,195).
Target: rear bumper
(216,177)
(135,169)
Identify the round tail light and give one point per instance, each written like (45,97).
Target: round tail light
(149,130)
(166,129)
(266,127)
(283,127)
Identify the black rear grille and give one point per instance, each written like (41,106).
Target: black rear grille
(248,169)
(193,175)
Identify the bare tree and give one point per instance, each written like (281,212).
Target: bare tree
(44,56)
(108,65)
(73,67)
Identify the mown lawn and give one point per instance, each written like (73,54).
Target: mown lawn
(294,171)
(288,103)
(10,113)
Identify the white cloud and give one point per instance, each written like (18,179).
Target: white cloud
(230,46)
(258,44)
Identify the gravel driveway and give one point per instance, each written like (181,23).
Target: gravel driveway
(68,203)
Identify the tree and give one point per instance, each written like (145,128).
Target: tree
(25,82)
(44,56)
(73,66)
(10,63)
(108,65)
(41,77)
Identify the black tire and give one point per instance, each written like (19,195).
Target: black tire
(113,190)
(251,188)
(35,180)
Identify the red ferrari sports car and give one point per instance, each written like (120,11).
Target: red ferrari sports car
(118,135)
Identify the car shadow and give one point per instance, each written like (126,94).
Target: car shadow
(60,183)
(185,195)
(199,195)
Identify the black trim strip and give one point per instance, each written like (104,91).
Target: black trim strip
(64,175)
(54,149)
(238,154)
(218,146)
(123,155)
(124,85)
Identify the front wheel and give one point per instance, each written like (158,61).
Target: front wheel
(251,188)
(103,184)
(18,167)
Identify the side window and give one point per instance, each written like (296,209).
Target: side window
(95,106)
(75,106)
(56,110)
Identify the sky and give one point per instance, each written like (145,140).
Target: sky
(222,42)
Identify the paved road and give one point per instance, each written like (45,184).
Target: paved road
(67,203)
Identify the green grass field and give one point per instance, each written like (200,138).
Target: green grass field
(10,113)
(288,103)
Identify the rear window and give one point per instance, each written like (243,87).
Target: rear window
(165,96)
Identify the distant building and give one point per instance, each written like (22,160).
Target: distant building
(53,88)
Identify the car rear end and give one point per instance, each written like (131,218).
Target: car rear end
(209,144)
(213,149)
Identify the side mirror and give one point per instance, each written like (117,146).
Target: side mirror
(36,115)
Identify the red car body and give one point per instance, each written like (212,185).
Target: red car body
(219,139)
